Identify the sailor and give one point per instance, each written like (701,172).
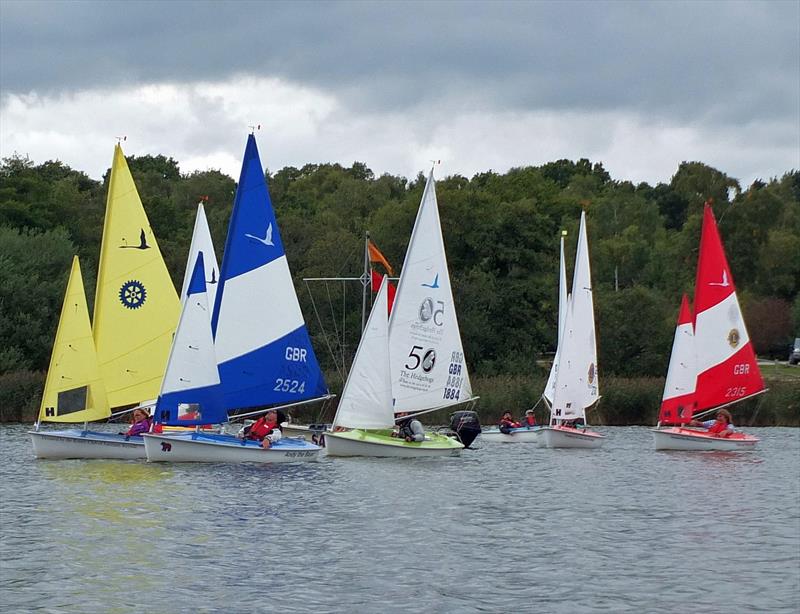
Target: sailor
(410,428)
(530,419)
(507,423)
(721,427)
(267,429)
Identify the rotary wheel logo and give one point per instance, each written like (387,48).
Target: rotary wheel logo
(733,338)
(132,294)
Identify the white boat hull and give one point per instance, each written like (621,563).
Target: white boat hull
(363,443)
(523,435)
(205,448)
(563,437)
(690,440)
(76,443)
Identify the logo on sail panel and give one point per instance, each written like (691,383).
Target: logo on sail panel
(132,294)
(266,240)
(734,338)
(142,242)
(429,360)
(433,284)
(426,310)
(591,373)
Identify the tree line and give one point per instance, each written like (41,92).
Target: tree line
(501,232)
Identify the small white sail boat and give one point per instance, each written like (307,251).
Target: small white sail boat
(74,391)
(713,364)
(261,343)
(426,367)
(191,395)
(576,386)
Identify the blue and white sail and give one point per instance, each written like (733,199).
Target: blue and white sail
(263,348)
(191,392)
(201,242)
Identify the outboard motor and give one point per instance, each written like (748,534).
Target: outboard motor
(466,426)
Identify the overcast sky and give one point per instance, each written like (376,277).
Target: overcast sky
(638,86)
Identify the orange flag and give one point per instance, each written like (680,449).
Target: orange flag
(376,256)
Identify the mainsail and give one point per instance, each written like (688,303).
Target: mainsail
(366,401)
(577,385)
(727,370)
(201,242)
(426,356)
(678,401)
(550,388)
(191,391)
(136,308)
(74,390)
(262,344)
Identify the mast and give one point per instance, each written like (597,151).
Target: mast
(366,280)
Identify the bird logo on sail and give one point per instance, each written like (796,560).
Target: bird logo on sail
(724,283)
(142,242)
(213,279)
(434,284)
(132,294)
(267,240)
(733,338)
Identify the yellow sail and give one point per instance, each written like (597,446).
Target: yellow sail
(136,307)
(74,390)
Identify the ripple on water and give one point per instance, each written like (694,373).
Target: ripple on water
(504,528)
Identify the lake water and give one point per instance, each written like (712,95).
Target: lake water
(504,528)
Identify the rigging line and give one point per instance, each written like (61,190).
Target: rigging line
(335,326)
(322,328)
(344,322)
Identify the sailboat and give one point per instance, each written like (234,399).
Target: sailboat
(530,434)
(135,313)
(261,343)
(136,307)
(426,367)
(74,391)
(713,364)
(576,385)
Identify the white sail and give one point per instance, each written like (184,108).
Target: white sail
(366,401)
(201,242)
(549,389)
(190,391)
(426,356)
(577,383)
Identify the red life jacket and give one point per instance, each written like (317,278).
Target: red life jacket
(718,427)
(261,428)
(529,421)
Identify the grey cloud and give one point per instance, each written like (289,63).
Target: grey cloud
(718,61)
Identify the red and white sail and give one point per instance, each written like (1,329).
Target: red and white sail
(677,404)
(727,370)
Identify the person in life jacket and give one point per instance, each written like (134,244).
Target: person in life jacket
(267,429)
(721,427)
(140,423)
(410,428)
(530,419)
(507,423)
